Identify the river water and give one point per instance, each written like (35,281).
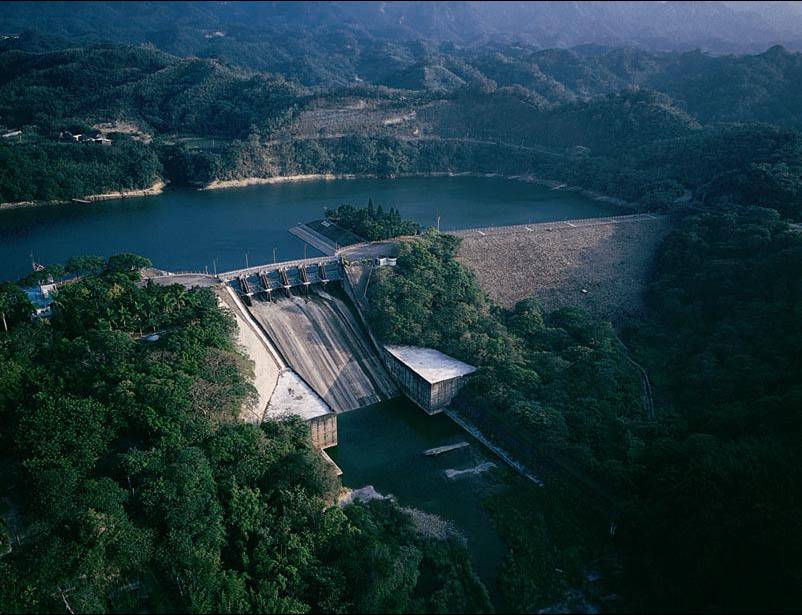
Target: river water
(191,230)
(383,445)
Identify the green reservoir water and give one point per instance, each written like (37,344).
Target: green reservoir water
(190,230)
(383,446)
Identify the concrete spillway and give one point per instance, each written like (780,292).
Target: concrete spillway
(320,338)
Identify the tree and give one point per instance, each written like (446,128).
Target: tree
(127,262)
(15,307)
(140,493)
(83,265)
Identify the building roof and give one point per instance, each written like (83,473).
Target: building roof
(292,396)
(39,297)
(430,364)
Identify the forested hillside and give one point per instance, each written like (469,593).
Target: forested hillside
(128,484)
(157,90)
(578,116)
(704,496)
(604,126)
(245,28)
(134,487)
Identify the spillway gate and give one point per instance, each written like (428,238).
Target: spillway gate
(284,276)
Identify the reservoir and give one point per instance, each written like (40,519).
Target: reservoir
(192,230)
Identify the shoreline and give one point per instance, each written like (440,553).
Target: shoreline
(158,187)
(529,178)
(224,184)
(154,189)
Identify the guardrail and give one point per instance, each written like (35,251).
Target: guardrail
(229,275)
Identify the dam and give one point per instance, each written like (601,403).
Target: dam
(266,279)
(184,229)
(312,358)
(598,264)
(308,312)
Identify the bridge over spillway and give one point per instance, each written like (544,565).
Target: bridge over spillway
(267,279)
(314,329)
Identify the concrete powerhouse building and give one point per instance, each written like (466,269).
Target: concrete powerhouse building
(428,377)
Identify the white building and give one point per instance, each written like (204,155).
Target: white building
(427,376)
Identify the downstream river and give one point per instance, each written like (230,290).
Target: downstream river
(383,445)
(191,230)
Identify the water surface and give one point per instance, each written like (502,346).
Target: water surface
(192,230)
(383,445)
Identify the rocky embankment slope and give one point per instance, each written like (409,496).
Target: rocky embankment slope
(600,264)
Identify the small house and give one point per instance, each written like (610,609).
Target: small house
(95,136)
(42,298)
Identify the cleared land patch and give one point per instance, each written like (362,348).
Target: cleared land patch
(599,264)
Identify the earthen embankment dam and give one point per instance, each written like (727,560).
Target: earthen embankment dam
(599,264)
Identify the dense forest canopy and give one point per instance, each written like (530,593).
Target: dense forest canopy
(372,222)
(135,487)
(693,488)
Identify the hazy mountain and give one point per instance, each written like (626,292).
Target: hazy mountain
(191,27)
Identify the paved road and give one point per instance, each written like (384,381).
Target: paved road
(371,250)
(377,249)
(190,280)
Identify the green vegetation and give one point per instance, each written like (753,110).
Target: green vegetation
(372,223)
(564,561)
(352,154)
(138,489)
(72,89)
(556,390)
(52,171)
(622,122)
(718,496)
(156,90)
(699,495)
(15,307)
(606,125)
